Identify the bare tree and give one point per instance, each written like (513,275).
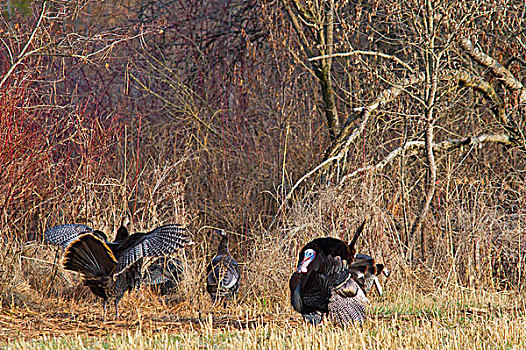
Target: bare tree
(414,57)
(313,22)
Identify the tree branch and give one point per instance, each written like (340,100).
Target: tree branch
(348,135)
(477,83)
(496,68)
(412,148)
(323,33)
(297,27)
(366,53)
(430,90)
(23,54)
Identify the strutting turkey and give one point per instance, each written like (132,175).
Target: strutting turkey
(110,269)
(222,281)
(161,273)
(323,282)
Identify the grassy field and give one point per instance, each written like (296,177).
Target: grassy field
(404,318)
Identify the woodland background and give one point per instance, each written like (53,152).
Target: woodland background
(276,120)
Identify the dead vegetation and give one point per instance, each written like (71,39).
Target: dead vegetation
(405,317)
(38,305)
(288,121)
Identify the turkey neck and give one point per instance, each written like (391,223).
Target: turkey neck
(222,248)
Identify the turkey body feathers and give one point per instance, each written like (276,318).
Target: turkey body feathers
(330,291)
(346,310)
(323,282)
(365,271)
(311,291)
(328,246)
(161,241)
(110,269)
(163,273)
(222,278)
(222,281)
(334,246)
(90,256)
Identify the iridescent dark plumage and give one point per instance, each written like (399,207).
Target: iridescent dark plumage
(163,274)
(334,246)
(111,269)
(222,281)
(323,283)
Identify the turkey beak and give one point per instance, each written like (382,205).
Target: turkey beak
(303,266)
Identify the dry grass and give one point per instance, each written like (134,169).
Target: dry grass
(425,305)
(453,318)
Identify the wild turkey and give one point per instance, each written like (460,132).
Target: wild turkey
(365,272)
(334,246)
(111,269)
(323,283)
(163,274)
(222,281)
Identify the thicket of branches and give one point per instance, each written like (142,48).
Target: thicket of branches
(251,115)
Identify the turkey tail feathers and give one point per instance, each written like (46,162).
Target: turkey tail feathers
(359,230)
(90,256)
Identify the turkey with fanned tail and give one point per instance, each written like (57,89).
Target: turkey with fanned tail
(323,283)
(110,269)
(222,281)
